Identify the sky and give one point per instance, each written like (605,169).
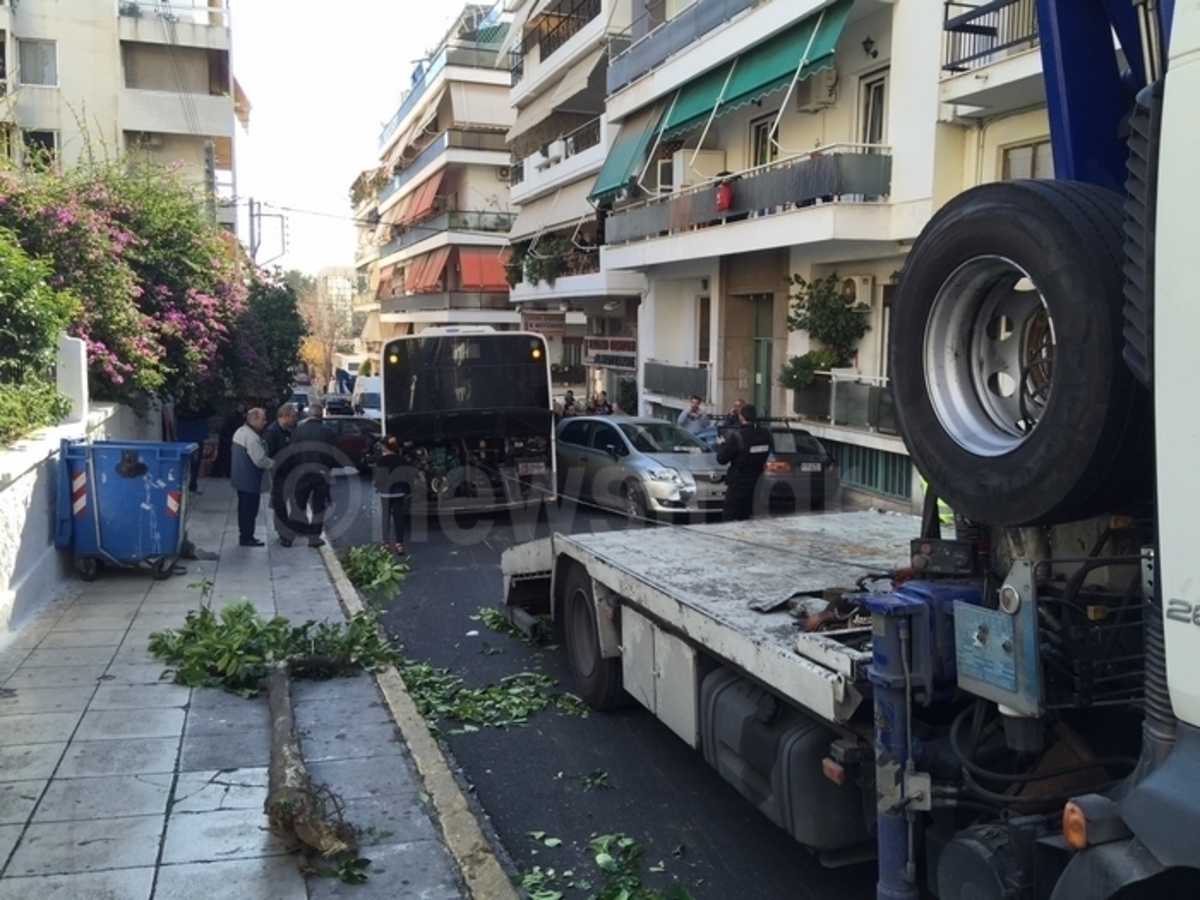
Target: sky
(322,78)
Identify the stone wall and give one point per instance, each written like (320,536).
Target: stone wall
(32,571)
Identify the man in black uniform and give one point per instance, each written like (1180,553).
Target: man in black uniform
(277,436)
(746,450)
(312,453)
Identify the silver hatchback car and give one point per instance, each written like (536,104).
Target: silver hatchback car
(644,467)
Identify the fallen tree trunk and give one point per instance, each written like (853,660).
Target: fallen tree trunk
(299,812)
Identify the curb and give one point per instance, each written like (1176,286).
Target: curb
(481,870)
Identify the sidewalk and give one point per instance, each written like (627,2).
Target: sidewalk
(114,784)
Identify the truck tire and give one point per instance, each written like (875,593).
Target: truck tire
(597,679)
(1006,345)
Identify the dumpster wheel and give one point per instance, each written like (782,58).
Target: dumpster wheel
(87,567)
(164,567)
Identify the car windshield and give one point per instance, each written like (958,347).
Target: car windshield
(787,441)
(661,437)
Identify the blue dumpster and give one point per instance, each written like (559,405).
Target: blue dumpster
(123,502)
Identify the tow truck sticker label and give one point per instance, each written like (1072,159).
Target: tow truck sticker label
(174,499)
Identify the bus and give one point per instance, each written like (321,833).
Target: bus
(472,410)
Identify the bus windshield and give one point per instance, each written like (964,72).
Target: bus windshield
(465,372)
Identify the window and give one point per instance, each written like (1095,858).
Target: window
(762,149)
(605,436)
(704,329)
(574,433)
(874,109)
(1032,160)
(40,147)
(38,62)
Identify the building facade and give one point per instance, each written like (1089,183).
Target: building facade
(100,79)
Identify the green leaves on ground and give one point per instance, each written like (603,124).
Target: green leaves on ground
(618,859)
(374,570)
(442,695)
(236,647)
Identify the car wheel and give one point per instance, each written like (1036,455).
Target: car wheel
(633,503)
(597,678)
(1008,378)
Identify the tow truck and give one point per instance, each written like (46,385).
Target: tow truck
(1011,711)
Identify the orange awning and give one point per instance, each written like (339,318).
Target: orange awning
(423,199)
(482,269)
(385,282)
(425,271)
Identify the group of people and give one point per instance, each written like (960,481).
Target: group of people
(597,405)
(294,462)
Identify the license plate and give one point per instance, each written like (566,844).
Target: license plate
(531,468)
(810,467)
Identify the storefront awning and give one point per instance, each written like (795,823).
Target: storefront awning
(792,55)
(423,198)
(628,153)
(425,271)
(482,269)
(566,206)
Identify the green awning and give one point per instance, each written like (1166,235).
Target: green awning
(760,70)
(628,153)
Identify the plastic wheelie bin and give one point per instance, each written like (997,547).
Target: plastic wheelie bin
(123,503)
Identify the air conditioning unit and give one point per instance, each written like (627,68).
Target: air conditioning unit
(859,289)
(817,91)
(503,173)
(557,150)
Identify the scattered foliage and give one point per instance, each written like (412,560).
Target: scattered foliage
(236,647)
(374,570)
(617,857)
(597,780)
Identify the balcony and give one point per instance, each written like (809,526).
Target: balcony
(850,400)
(840,173)
(468,56)
(447,140)
(185,23)
(990,59)
(445,300)
(571,16)
(640,54)
(573,155)
(674,380)
(161,112)
(472,221)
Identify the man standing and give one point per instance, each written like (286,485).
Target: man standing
(603,406)
(277,436)
(693,419)
(249,462)
(732,419)
(311,455)
(746,450)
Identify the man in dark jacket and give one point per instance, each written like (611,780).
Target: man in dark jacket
(746,450)
(249,463)
(277,436)
(310,457)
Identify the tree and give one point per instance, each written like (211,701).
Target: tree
(822,309)
(327,308)
(274,307)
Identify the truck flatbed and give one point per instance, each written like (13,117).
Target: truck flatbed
(724,587)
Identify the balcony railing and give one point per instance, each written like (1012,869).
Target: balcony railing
(453,139)
(444,300)
(585,136)
(637,52)
(197,12)
(838,173)
(978,34)
(675,381)
(516,173)
(569,18)
(846,399)
(475,221)
(472,57)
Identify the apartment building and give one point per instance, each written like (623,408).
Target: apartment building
(558,58)
(752,140)
(103,78)
(436,209)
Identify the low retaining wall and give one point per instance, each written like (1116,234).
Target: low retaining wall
(32,571)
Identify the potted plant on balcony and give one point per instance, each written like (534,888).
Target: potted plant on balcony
(820,308)
(514,267)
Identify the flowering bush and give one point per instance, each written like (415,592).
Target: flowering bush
(160,301)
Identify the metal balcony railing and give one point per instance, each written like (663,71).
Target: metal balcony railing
(848,399)
(516,173)
(453,139)
(647,44)
(978,34)
(443,300)
(675,380)
(585,136)
(837,173)
(475,221)
(565,21)
(195,12)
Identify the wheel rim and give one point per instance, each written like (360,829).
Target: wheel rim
(633,507)
(583,634)
(989,355)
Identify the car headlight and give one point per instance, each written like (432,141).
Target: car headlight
(670,475)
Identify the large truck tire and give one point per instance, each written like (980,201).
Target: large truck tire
(597,679)
(1006,345)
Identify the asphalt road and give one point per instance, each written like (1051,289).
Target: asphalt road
(692,825)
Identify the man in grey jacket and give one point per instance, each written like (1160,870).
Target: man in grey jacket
(249,462)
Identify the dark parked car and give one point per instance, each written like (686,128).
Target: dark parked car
(356,435)
(800,473)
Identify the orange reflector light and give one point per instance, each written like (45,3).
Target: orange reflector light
(833,771)
(1074,826)
(778,466)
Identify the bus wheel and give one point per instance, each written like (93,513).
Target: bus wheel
(597,679)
